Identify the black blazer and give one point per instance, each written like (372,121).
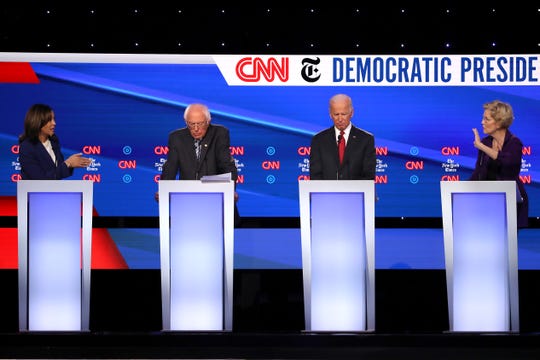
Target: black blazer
(359,161)
(37,164)
(215,159)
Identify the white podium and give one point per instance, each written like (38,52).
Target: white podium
(196,222)
(337,221)
(54,254)
(480,244)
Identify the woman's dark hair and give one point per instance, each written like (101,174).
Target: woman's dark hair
(36,117)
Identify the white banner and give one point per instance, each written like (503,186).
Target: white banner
(374,70)
(335,70)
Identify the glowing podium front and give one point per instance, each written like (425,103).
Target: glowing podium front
(54,254)
(337,225)
(480,245)
(196,220)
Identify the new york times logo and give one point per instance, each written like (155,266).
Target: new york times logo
(310,73)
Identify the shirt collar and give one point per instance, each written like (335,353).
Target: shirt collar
(346,131)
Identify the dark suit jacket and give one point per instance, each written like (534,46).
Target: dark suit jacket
(215,155)
(215,158)
(359,161)
(37,164)
(507,166)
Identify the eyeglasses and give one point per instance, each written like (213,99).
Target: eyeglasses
(197,125)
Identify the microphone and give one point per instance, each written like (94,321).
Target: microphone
(339,138)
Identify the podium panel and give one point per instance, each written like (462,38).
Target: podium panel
(54,254)
(337,221)
(197,252)
(480,243)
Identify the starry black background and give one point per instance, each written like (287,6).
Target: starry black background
(407,27)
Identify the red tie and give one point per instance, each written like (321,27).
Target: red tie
(341,146)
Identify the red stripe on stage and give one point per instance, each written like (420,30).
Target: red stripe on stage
(8,249)
(8,206)
(105,253)
(17,72)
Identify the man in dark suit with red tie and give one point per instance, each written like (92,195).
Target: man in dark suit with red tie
(357,160)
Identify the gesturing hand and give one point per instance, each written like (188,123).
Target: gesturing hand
(477,141)
(78,161)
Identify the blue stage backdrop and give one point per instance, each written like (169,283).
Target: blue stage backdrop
(119,109)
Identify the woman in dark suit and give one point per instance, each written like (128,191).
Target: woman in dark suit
(499,153)
(359,159)
(40,155)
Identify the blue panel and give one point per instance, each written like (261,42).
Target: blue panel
(54,261)
(196,258)
(338,262)
(481,296)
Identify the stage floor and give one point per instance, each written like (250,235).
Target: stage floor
(268,322)
(162,345)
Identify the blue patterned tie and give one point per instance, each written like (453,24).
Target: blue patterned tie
(197,145)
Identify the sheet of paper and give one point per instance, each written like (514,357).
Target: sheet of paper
(217,178)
